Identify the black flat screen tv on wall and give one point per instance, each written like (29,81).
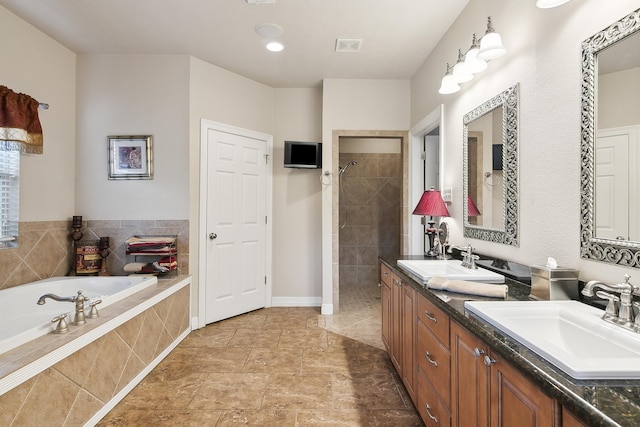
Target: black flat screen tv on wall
(303,155)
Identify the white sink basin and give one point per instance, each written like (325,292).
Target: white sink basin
(569,334)
(449,269)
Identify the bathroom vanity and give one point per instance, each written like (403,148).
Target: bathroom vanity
(461,371)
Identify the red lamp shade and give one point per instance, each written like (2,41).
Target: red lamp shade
(472,209)
(431,204)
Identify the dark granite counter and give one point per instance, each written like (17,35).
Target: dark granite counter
(595,402)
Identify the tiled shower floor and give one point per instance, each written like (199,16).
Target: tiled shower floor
(277,367)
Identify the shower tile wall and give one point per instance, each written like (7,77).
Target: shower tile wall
(370,202)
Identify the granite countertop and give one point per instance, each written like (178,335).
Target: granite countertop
(595,402)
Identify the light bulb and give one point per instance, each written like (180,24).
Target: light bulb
(491,44)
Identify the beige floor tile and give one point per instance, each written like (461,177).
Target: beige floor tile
(280,366)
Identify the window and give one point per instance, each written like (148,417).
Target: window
(9,197)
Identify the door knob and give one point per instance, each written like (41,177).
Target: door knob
(213,236)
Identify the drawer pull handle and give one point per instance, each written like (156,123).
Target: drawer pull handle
(428,356)
(489,361)
(385,274)
(430,317)
(427,407)
(477,352)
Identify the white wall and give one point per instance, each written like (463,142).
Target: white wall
(354,105)
(221,96)
(133,95)
(297,200)
(37,65)
(544,55)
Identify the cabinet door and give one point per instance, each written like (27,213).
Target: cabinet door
(385,302)
(396,323)
(516,401)
(569,420)
(409,339)
(469,379)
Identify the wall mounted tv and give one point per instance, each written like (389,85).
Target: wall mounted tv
(304,155)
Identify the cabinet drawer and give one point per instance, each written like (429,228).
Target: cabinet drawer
(433,412)
(434,359)
(434,319)
(385,274)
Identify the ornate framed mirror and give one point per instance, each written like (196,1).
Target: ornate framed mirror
(490,199)
(610,144)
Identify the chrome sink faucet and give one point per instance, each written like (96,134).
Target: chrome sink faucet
(619,309)
(79,299)
(468,257)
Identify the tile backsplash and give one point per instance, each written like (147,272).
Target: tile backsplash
(45,247)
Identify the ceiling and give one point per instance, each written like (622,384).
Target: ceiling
(397,36)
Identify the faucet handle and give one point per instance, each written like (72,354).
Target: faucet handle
(93,313)
(611,312)
(62,327)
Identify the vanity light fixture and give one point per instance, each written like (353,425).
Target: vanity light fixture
(431,204)
(474,60)
(474,64)
(548,4)
(461,72)
(491,44)
(449,84)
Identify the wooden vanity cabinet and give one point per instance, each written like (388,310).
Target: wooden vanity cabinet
(398,325)
(487,391)
(434,359)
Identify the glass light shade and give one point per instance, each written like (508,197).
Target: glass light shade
(473,63)
(448,85)
(431,204)
(547,4)
(491,47)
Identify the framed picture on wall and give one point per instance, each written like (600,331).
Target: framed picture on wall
(130,157)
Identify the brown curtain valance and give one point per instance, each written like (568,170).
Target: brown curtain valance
(20,127)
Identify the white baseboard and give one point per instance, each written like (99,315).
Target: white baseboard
(296,301)
(327,309)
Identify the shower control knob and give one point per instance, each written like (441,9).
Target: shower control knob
(213,236)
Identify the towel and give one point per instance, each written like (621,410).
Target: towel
(465,287)
(134,267)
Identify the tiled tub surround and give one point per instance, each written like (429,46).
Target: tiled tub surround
(372,200)
(76,378)
(45,247)
(596,402)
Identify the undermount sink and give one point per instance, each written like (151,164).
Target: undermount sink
(450,269)
(569,334)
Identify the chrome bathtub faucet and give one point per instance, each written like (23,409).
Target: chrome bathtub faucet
(79,299)
(619,310)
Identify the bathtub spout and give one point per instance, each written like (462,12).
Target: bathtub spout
(54,297)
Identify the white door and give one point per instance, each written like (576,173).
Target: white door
(236,230)
(612,186)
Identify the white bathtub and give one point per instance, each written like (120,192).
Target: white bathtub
(23,320)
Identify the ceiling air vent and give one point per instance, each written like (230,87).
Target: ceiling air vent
(348,45)
(261,1)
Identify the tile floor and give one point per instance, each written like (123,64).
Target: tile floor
(277,367)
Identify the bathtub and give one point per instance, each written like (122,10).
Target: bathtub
(23,320)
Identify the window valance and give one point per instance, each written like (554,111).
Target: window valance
(20,127)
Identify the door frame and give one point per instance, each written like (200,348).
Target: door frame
(205,126)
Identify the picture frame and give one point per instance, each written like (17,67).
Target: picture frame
(130,157)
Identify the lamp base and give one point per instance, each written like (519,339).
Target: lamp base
(431,234)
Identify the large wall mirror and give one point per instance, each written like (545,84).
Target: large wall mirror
(491,169)
(610,147)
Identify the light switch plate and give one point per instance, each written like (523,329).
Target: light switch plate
(447,195)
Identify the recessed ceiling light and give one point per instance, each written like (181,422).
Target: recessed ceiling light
(269,30)
(275,46)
